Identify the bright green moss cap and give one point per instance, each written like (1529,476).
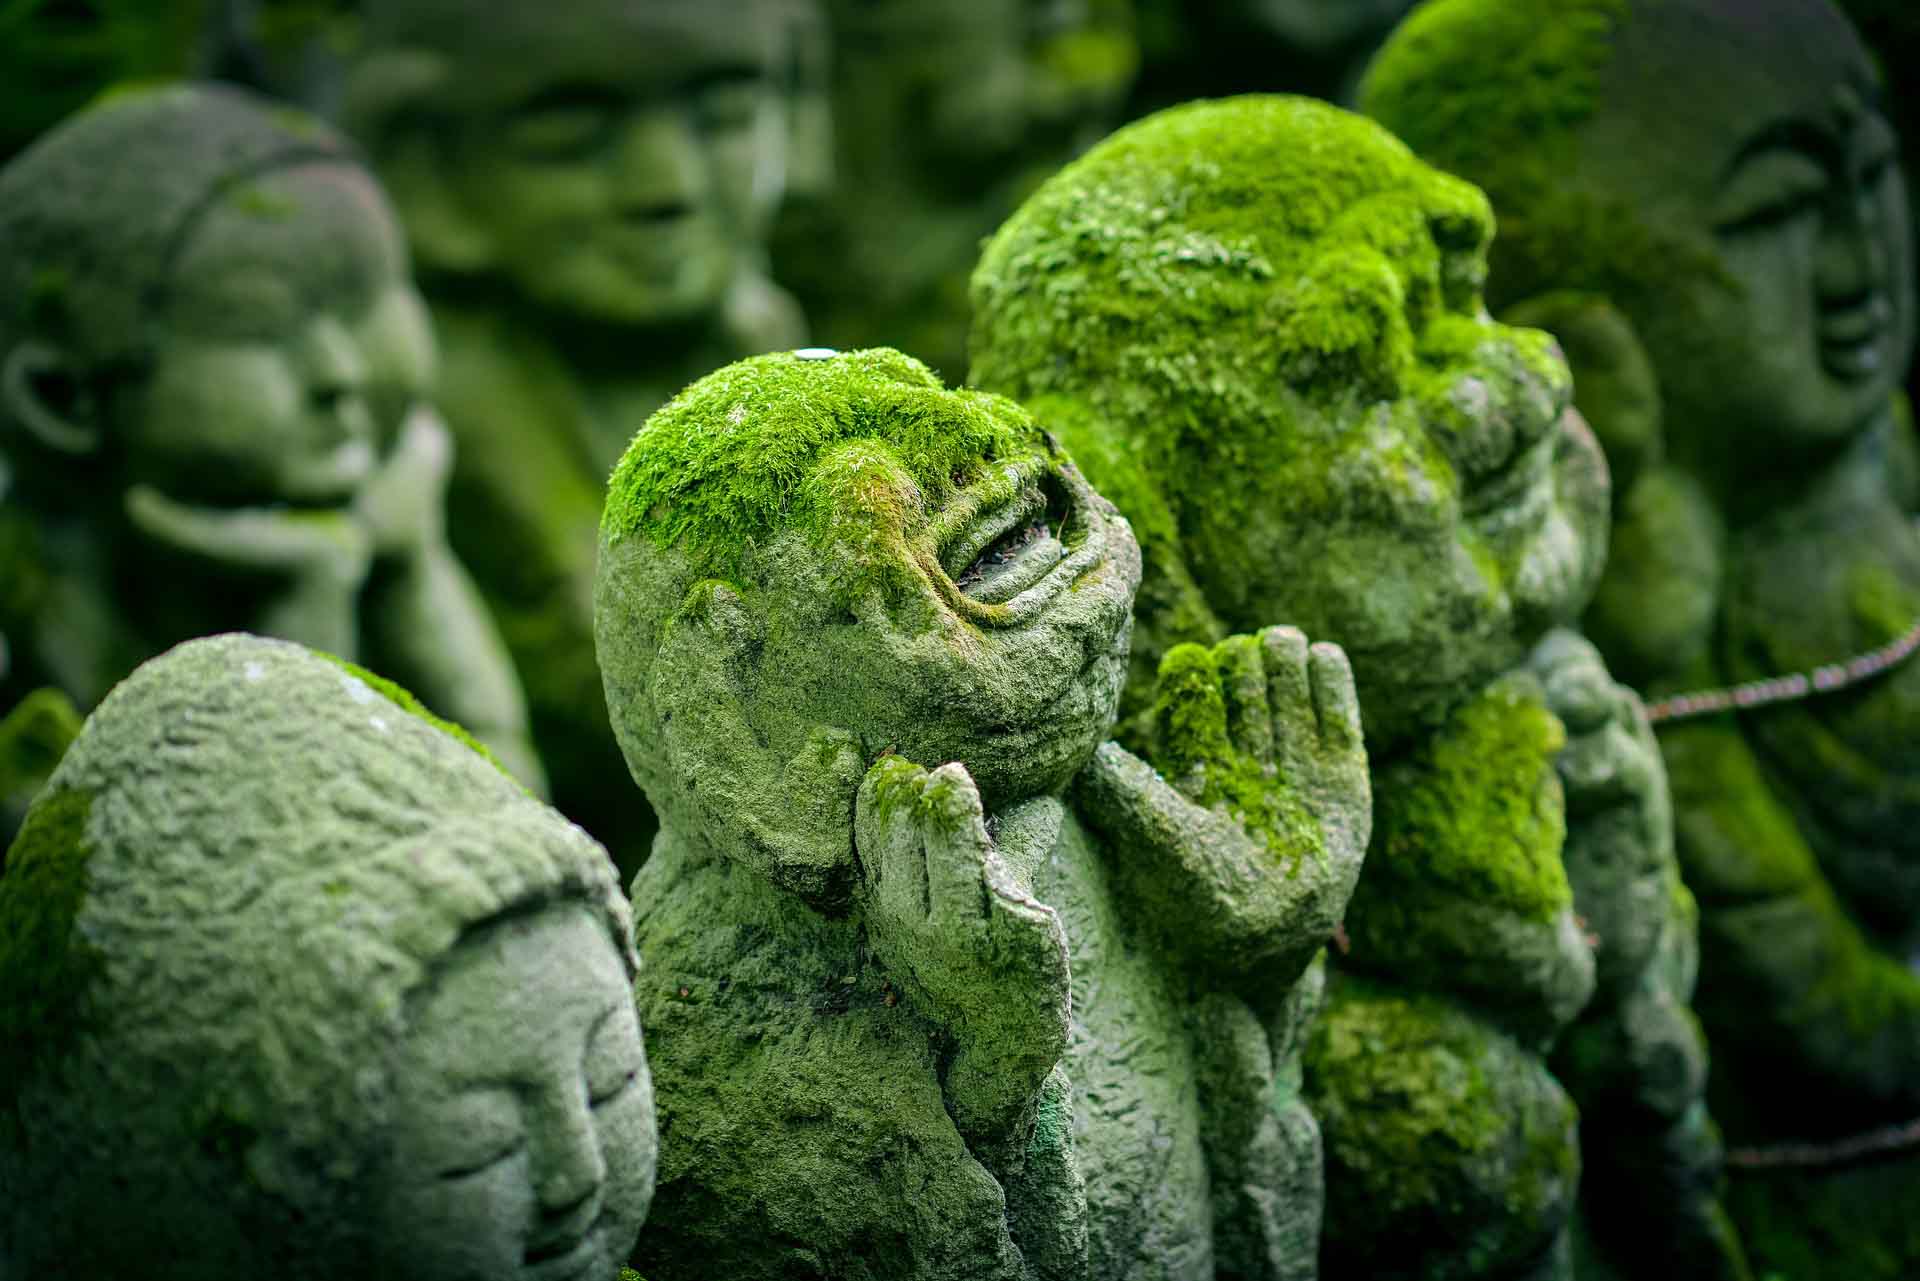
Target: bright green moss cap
(1195,262)
(1476,86)
(727,463)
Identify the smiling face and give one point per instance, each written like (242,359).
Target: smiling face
(1001,641)
(1434,534)
(1778,172)
(521,1144)
(290,343)
(625,156)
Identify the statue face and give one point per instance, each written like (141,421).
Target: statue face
(1007,649)
(1781,175)
(623,171)
(1434,536)
(288,343)
(522,1141)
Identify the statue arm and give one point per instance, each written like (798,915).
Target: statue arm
(1244,846)
(422,617)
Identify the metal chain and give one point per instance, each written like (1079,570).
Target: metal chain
(1788,689)
(1889,1140)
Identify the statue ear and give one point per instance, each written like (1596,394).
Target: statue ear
(45,390)
(387,108)
(1614,384)
(777,798)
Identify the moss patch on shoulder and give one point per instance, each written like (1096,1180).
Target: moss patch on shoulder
(401,698)
(1477,808)
(736,458)
(45,966)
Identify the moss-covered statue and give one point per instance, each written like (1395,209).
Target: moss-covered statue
(1258,324)
(296,983)
(946,112)
(945,985)
(1703,197)
(212,364)
(587,186)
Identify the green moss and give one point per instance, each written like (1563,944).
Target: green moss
(1853,1224)
(1476,809)
(45,966)
(412,706)
(1883,607)
(33,738)
(1448,1150)
(849,448)
(1496,91)
(1192,747)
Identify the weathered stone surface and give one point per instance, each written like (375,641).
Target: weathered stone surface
(1705,199)
(587,187)
(213,367)
(1258,323)
(945,113)
(273,947)
(938,984)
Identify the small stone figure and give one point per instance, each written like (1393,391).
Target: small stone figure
(212,371)
(294,983)
(945,113)
(587,186)
(1258,323)
(946,986)
(1706,202)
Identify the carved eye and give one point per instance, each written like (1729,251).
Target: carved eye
(619,1087)
(467,1169)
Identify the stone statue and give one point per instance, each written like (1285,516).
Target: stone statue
(947,986)
(945,112)
(212,370)
(587,186)
(1704,198)
(295,983)
(1258,325)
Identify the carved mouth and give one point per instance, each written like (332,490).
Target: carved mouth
(1853,343)
(564,1259)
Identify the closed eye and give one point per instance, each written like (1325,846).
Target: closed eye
(620,1087)
(469,1169)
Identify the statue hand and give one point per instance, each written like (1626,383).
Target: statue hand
(329,547)
(1247,840)
(404,503)
(963,937)
(1619,846)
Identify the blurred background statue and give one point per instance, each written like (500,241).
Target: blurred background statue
(1258,325)
(1213,48)
(1704,199)
(946,113)
(213,367)
(273,945)
(587,185)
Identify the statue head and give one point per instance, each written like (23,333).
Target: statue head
(809,560)
(207,293)
(1258,324)
(612,160)
(1722,170)
(297,983)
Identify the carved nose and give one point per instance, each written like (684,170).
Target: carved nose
(661,171)
(569,1168)
(1853,255)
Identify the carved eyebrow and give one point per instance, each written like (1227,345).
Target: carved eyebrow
(1792,134)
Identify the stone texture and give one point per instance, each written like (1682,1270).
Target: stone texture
(1704,199)
(1258,324)
(213,371)
(270,942)
(938,983)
